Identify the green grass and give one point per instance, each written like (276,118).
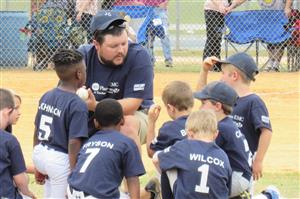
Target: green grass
(288,183)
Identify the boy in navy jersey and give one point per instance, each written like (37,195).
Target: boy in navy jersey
(178,100)
(203,167)
(220,98)
(106,158)
(250,112)
(61,124)
(13,180)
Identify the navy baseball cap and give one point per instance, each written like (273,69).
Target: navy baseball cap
(219,92)
(103,19)
(244,62)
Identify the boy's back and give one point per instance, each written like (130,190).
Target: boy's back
(61,116)
(109,156)
(203,169)
(250,115)
(11,164)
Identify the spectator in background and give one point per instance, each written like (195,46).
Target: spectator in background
(161,18)
(214,12)
(85,10)
(276,50)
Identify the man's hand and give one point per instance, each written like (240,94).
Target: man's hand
(257,168)
(91,101)
(209,62)
(153,113)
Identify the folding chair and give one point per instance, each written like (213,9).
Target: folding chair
(259,27)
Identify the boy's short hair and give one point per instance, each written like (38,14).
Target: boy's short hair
(108,112)
(6,99)
(202,121)
(178,94)
(245,63)
(219,92)
(65,61)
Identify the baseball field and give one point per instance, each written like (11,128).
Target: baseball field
(280,91)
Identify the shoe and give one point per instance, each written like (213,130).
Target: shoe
(272,192)
(169,63)
(153,186)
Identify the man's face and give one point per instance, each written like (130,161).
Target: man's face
(114,49)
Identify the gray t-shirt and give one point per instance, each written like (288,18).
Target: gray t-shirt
(272,5)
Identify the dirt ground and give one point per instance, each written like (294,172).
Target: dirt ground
(280,92)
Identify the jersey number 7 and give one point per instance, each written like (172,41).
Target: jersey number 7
(92,154)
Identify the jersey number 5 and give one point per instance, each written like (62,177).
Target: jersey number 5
(92,154)
(203,188)
(44,128)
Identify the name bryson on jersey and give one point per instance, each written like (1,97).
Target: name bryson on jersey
(104,144)
(50,109)
(206,159)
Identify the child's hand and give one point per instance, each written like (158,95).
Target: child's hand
(39,177)
(209,62)
(91,101)
(153,113)
(257,169)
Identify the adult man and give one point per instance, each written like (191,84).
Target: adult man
(120,70)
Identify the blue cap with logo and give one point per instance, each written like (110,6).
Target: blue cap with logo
(243,62)
(219,92)
(104,18)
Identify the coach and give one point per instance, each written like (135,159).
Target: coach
(119,69)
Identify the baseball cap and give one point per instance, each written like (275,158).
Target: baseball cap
(244,62)
(104,18)
(219,92)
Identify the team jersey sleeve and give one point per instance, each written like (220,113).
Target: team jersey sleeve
(260,115)
(139,82)
(163,140)
(173,157)
(17,159)
(78,127)
(132,162)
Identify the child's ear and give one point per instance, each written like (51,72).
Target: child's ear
(190,134)
(96,123)
(170,107)
(216,134)
(219,106)
(122,121)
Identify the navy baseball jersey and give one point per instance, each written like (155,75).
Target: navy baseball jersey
(102,163)
(235,145)
(133,79)
(203,169)
(250,115)
(61,116)
(11,163)
(169,133)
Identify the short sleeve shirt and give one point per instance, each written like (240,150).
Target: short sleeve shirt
(133,79)
(11,163)
(169,133)
(235,145)
(203,169)
(250,114)
(103,161)
(61,116)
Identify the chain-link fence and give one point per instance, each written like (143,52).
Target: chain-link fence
(178,33)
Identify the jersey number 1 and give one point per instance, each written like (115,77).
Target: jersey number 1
(203,188)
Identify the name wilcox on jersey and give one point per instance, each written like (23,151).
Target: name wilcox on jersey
(208,159)
(50,109)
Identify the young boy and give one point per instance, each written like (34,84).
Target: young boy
(14,181)
(106,158)
(179,101)
(250,112)
(203,167)
(220,98)
(61,124)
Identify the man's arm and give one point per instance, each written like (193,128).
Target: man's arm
(234,4)
(130,105)
(133,184)
(21,181)
(288,7)
(152,118)
(74,148)
(207,64)
(82,7)
(263,145)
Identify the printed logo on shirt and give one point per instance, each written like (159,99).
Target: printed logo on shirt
(265,119)
(95,86)
(138,87)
